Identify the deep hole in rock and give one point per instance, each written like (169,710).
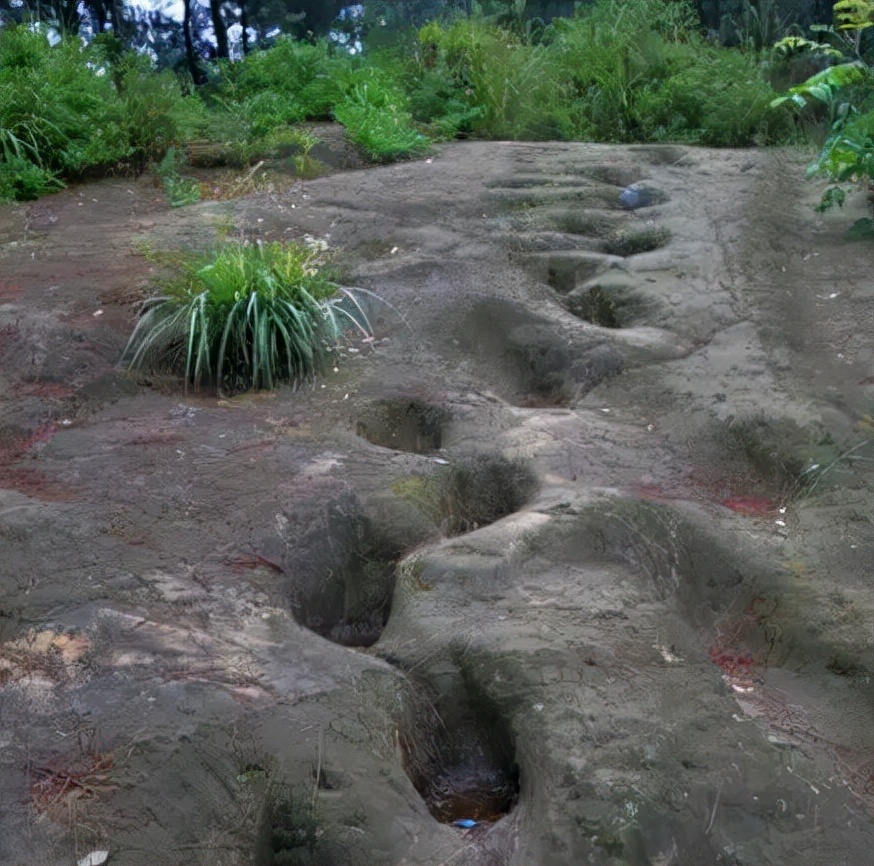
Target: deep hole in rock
(632,242)
(606,306)
(528,363)
(541,365)
(404,424)
(347,597)
(565,270)
(472,494)
(289,831)
(785,456)
(616,175)
(583,222)
(597,306)
(660,154)
(459,753)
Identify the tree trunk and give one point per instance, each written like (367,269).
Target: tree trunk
(190,57)
(244,23)
(220,28)
(117,19)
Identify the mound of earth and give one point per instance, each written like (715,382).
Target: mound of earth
(570,564)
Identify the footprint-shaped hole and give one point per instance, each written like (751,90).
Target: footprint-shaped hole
(475,493)
(607,306)
(404,424)
(660,154)
(632,242)
(347,598)
(520,356)
(565,273)
(616,175)
(582,222)
(460,755)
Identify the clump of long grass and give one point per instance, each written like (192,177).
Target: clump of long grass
(376,115)
(246,316)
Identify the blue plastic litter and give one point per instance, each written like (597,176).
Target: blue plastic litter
(635,196)
(465,823)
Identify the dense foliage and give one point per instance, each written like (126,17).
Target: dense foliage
(608,70)
(846,91)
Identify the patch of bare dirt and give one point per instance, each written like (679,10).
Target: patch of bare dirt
(306,627)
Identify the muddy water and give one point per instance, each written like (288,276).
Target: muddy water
(581,552)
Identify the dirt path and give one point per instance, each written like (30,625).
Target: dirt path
(580,551)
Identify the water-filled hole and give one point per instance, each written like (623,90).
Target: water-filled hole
(404,424)
(460,755)
(466,496)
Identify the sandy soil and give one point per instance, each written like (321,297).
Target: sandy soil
(581,549)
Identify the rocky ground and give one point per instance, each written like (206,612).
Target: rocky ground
(579,548)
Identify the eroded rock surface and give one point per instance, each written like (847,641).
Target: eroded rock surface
(581,550)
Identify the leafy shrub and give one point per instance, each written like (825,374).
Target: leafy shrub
(847,155)
(639,71)
(794,59)
(495,84)
(69,110)
(21,180)
(304,79)
(180,190)
(247,316)
(268,110)
(615,56)
(721,100)
(154,113)
(377,119)
(50,102)
(436,102)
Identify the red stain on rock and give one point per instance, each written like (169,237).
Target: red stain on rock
(35,485)
(49,390)
(40,436)
(735,663)
(25,479)
(652,492)
(754,506)
(9,292)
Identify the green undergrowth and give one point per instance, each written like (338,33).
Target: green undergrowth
(844,95)
(180,190)
(616,70)
(73,110)
(244,316)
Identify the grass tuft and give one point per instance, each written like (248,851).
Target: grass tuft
(247,316)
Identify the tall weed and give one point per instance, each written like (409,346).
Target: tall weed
(500,87)
(376,115)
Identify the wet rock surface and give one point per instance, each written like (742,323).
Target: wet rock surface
(580,552)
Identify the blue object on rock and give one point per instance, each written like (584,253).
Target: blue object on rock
(635,196)
(465,823)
